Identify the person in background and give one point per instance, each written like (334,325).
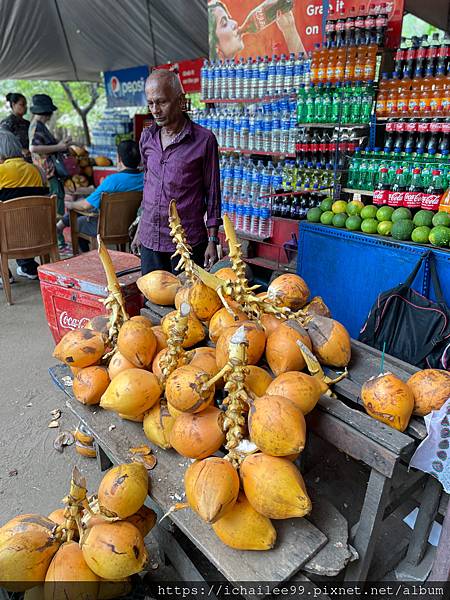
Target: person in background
(15,123)
(44,149)
(181,162)
(18,178)
(128,179)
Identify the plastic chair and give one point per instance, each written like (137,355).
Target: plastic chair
(27,229)
(117,212)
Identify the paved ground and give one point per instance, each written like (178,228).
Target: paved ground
(27,396)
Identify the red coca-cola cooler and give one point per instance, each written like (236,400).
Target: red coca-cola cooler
(72,289)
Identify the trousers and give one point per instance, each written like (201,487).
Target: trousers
(154,260)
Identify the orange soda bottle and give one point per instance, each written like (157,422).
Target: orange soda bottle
(403,96)
(438,93)
(414,98)
(370,63)
(339,68)
(315,64)
(350,61)
(391,101)
(360,63)
(331,64)
(426,91)
(380,107)
(322,66)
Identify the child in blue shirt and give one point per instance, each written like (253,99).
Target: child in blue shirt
(128,179)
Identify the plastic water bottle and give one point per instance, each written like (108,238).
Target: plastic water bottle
(292,101)
(216,78)
(204,71)
(292,137)
(222,127)
(239,83)
(298,70)
(245,124)
(267,133)
(263,75)
(231,80)
(259,131)
(239,224)
(252,131)
(272,75)
(289,72)
(247,218)
(276,132)
(237,121)
(281,72)
(307,70)
(247,78)
(284,138)
(266,181)
(265,221)
(254,221)
(254,88)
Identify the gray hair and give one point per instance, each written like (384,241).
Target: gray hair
(9,145)
(169,77)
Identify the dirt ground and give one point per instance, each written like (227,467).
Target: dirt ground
(33,476)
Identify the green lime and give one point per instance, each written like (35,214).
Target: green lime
(369,212)
(421,234)
(401,213)
(384,227)
(354,207)
(423,218)
(441,218)
(326,204)
(353,223)
(339,219)
(402,229)
(340,206)
(385,213)
(326,217)
(313,215)
(369,225)
(440,236)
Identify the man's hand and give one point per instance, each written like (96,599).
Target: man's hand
(210,255)
(136,244)
(69,204)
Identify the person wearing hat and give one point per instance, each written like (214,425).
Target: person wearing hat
(44,148)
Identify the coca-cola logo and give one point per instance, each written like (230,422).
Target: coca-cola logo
(69,322)
(413,199)
(396,198)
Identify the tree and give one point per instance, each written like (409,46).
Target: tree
(83,112)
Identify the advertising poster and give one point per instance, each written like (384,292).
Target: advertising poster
(125,87)
(188,71)
(242,28)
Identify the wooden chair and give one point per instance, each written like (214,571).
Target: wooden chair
(117,212)
(27,229)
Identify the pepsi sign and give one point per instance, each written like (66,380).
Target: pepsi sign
(125,87)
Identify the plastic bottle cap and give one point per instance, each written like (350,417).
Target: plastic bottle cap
(436,172)
(399,171)
(416,171)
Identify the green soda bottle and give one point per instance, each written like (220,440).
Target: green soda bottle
(336,103)
(309,104)
(346,104)
(301,104)
(367,102)
(356,103)
(319,105)
(327,102)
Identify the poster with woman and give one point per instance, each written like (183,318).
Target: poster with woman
(242,28)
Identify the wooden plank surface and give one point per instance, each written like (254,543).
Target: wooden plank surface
(298,540)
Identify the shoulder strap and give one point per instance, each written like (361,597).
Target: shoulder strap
(435,280)
(412,276)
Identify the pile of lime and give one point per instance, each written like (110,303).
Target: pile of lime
(425,227)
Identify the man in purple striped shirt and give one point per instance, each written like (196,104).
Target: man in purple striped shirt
(181,162)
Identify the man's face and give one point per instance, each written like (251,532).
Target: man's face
(163,103)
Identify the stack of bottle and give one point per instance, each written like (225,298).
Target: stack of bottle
(346,104)
(357,27)
(270,126)
(253,78)
(394,176)
(415,136)
(420,83)
(333,65)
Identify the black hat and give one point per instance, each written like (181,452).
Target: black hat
(42,104)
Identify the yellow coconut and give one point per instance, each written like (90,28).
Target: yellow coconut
(198,435)
(137,343)
(212,487)
(173,411)
(242,528)
(226,273)
(288,290)
(282,352)
(80,348)
(221,320)
(114,550)
(389,400)
(317,307)
(182,295)
(157,365)
(204,358)
(274,487)
(69,577)
(161,339)
(302,389)
(90,384)
(256,342)
(123,490)
(204,301)
(159,287)
(186,389)
(132,392)
(257,380)
(195,331)
(430,388)
(57,516)
(144,519)
(119,363)
(158,423)
(270,323)
(133,418)
(277,426)
(330,341)
(27,546)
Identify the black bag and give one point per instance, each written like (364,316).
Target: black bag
(414,328)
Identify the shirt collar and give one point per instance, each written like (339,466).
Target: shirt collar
(127,170)
(189,129)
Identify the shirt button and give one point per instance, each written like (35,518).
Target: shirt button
(162,161)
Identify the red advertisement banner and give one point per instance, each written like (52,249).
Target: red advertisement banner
(189,72)
(242,28)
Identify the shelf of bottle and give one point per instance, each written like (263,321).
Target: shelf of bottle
(340,125)
(408,116)
(353,191)
(273,265)
(239,100)
(248,236)
(259,152)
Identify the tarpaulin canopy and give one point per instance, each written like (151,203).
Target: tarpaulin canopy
(436,12)
(77,39)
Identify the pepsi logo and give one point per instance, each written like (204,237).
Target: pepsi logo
(115,85)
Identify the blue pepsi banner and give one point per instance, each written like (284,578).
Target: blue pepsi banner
(125,87)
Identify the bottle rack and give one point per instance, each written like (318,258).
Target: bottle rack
(257,152)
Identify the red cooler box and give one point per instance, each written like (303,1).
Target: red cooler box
(72,289)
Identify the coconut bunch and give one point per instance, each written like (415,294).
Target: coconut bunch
(89,548)
(392,401)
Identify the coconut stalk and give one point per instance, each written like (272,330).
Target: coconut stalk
(75,503)
(114,303)
(175,350)
(315,369)
(183,250)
